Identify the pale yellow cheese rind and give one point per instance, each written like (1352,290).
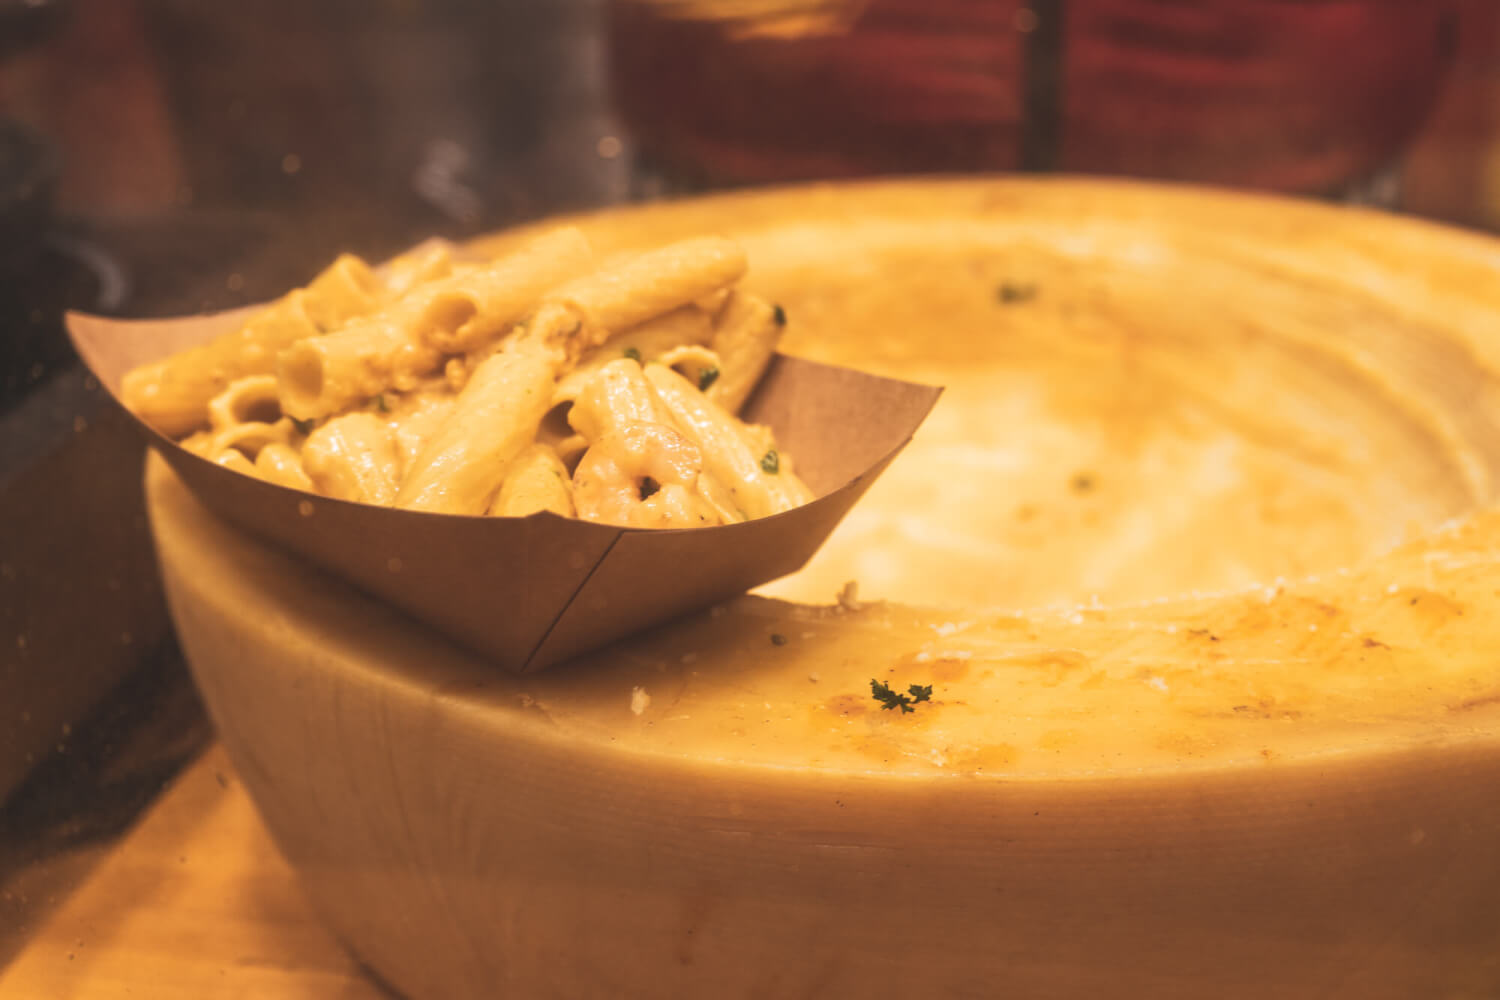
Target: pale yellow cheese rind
(1274,784)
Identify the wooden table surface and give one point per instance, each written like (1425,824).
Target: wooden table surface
(194,903)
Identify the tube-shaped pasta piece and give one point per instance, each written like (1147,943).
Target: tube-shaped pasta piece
(250,437)
(756,480)
(323,375)
(200,443)
(571,448)
(246,418)
(466,314)
(279,463)
(536,480)
(236,461)
(645,342)
(720,498)
(497,414)
(614,299)
(745,336)
(341,291)
(352,457)
(172,394)
(556,432)
(696,363)
(427,261)
(409,339)
(414,420)
(616,395)
(643,475)
(248,399)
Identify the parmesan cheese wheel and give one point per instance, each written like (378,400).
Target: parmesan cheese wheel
(1197,557)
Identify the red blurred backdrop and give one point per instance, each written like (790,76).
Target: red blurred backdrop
(1306,96)
(1296,95)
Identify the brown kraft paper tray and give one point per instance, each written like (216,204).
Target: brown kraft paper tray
(530,592)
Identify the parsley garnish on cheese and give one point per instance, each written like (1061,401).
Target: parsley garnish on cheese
(889,698)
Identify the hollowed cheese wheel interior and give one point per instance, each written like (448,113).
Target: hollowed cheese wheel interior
(1196,554)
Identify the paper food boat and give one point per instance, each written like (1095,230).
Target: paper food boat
(529,592)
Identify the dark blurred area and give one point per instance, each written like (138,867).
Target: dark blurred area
(160,157)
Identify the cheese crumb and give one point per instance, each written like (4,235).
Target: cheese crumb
(639,700)
(848,598)
(1157,683)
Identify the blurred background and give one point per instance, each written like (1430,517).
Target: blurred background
(160,157)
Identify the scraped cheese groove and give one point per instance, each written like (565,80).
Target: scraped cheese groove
(1198,555)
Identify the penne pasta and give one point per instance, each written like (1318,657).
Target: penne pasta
(345,289)
(745,335)
(172,395)
(353,457)
(468,313)
(324,375)
(249,438)
(497,414)
(536,480)
(414,419)
(396,348)
(648,341)
(754,477)
(237,462)
(720,497)
(427,261)
(699,365)
(244,419)
(639,469)
(642,475)
(617,394)
(534,382)
(282,464)
(244,400)
(659,281)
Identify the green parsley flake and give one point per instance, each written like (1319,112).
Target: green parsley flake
(779,315)
(633,354)
(1013,293)
(916,694)
(770,462)
(706,378)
